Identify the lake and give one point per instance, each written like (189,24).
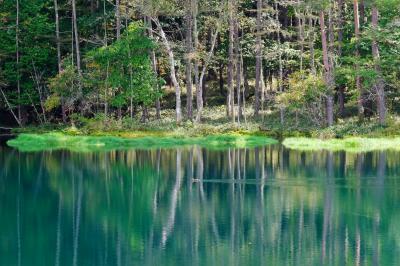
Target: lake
(199,206)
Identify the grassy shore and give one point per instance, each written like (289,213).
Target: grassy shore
(353,144)
(54,141)
(216,130)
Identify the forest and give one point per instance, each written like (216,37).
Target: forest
(294,65)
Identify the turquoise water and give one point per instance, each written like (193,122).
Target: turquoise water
(195,206)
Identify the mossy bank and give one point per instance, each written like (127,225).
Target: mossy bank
(54,141)
(351,144)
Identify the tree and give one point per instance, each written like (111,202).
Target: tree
(328,72)
(258,59)
(231,62)
(379,83)
(358,77)
(76,38)
(189,54)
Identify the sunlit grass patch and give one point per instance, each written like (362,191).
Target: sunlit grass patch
(352,144)
(54,141)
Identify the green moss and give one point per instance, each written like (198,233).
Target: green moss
(54,141)
(353,144)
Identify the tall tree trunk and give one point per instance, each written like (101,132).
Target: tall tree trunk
(154,66)
(118,19)
(10,108)
(108,63)
(203,72)
(78,52)
(360,101)
(300,26)
(279,47)
(362,13)
(258,59)
(18,70)
(327,70)
(311,44)
(379,83)
(238,68)
(341,89)
(178,109)
(58,44)
(231,94)
(221,77)
(189,53)
(199,89)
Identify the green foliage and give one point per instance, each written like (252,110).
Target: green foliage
(123,71)
(64,85)
(304,88)
(37,60)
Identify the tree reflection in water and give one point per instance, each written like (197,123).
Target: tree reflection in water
(191,205)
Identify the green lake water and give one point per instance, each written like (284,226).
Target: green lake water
(196,206)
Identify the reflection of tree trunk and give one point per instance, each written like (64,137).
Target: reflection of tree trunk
(238,164)
(190,205)
(77,221)
(380,175)
(257,162)
(105,244)
(200,170)
(19,257)
(38,179)
(300,232)
(230,170)
(118,246)
(246,155)
(260,221)
(167,229)
(342,164)
(328,203)
(190,169)
(358,246)
(58,242)
(375,251)
(359,164)
(200,164)
(232,223)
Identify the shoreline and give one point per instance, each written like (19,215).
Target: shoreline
(86,143)
(105,141)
